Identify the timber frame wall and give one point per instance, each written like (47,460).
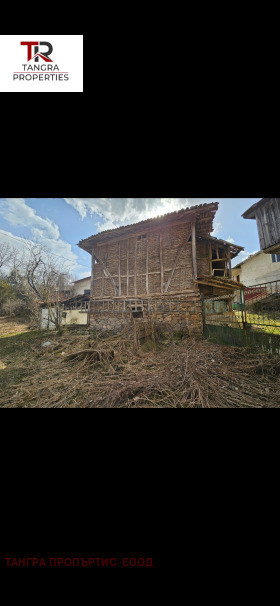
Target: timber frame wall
(155,263)
(152,269)
(152,272)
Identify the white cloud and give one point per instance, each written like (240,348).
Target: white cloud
(59,248)
(15,242)
(245,254)
(229,239)
(115,212)
(84,274)
(217,228)
(43,231)
(17,212)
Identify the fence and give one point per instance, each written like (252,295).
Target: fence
(250,318)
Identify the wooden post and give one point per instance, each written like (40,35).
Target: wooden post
(92,271)
(210,260)
(229,263)
(194,251)
(120,280)
(135,268)
(161,263)
(147,268)
(127,269)
(90,307)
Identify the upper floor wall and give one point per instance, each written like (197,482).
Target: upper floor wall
(157,262)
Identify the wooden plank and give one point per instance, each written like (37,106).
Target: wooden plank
(120,280)
(215,260)
(215,285)
(229,263)
(92,271)
(161,262)
(194,251)
(127,270)
(147,267)
(210,259)
(135,268)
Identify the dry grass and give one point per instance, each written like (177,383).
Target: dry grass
(13,326)
(110,372)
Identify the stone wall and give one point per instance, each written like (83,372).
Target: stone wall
(183,315)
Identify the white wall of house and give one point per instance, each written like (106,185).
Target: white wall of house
(45,322)
(258,269)
(81,285)
(73,316)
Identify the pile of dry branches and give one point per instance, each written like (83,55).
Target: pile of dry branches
(112,373)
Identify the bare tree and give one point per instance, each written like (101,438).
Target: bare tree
(5,254)
(38,278)
(45,277)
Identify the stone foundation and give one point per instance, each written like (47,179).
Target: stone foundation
(183,316)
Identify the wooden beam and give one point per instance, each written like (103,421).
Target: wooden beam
(106,271)
(127,270)
(120,280)
(92,271)
(179,252)
(135,268)
(90,305)
(161,263)
(215,285)
(147,267)
(229,262)
(194,251)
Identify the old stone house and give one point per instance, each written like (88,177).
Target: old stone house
(159,268)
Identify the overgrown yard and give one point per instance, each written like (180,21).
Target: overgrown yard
(80,370)
(13,326)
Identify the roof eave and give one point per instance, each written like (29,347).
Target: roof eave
(88,243)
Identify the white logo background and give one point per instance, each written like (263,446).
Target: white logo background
(67,54)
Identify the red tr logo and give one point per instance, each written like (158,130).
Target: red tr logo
(36,56)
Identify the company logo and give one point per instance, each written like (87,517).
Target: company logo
(38,54)
(39,65)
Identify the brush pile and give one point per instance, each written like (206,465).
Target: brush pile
(110,372)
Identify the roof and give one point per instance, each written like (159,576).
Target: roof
(156,222)
(245,260)
(250,213)
(234,248)
(81,280)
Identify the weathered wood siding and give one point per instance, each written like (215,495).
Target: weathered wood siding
(268,223)
(156,262)
(203,256)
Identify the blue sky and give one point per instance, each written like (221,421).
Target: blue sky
(59,223)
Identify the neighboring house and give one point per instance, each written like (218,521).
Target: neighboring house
(82,287)
(158,269)
(258,269)
(71,309)
(267,214)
